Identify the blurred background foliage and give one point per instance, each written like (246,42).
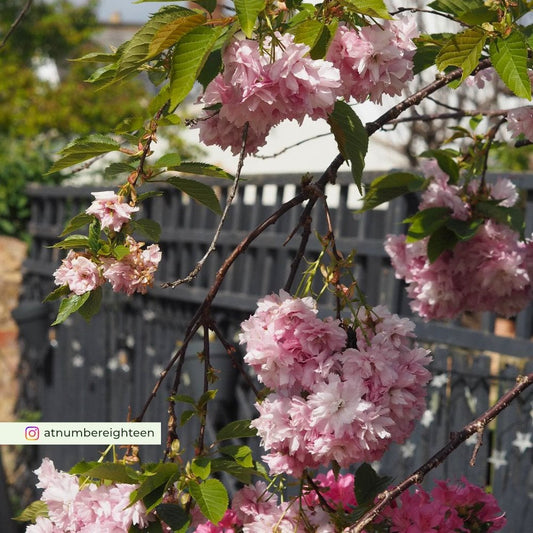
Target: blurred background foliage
(44,100)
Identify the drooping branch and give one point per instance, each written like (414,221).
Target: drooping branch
(476,426)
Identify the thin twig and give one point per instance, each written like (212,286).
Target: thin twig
(476,426)
(444,116)
(490,139)
(230,350)
(229,201)
(428,11)
(291,146)
(17,21)
(203,416)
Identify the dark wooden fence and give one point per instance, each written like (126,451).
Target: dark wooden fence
(96,371)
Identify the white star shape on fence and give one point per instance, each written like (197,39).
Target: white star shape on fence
(408,449)
(497,459)
(522,441)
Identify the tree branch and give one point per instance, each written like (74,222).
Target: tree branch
(476,426)
(17,21)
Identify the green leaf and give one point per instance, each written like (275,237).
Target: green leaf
(446,161)
(509,58)
(238,429)
(30,513)
(120,252)
(211,68)
(168,160)
(57,293)
(211,497)
(82,149)
(70,305)
(464,229)
(351,137)
(155,481)
(441,240)
(202,169)
(206,397)
(462,50)
(425,222)
(510,216)
(173,515)
(369,484)
(390,186)
(201,467)
(308,32)
(96,57)
(117,472)
(198,191)
(230,466)
(247,12)
(94,235)
(467,11)
(186,416)
(172,32)
(190,55)
(424,57)
(183,398)
(136,51)
(114,169)
(148,227)
(92,305)
(370,8)
(241,454)
(73,241)
(103,76)
(76,222)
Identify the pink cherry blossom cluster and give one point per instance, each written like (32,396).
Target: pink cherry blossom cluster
(85,509)
(133,273)
(256,510)
(264,84)
(263,89)
(449,507)
(374,60)
(493,271)
(331,402)
(83,272)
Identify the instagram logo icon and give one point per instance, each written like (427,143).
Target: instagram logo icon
(31,433)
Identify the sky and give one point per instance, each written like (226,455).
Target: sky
(129,11)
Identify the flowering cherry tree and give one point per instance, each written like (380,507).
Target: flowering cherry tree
(337,390)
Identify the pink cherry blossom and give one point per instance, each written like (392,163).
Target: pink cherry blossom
(449,507)
(79,272)
(520,121)
(374,60)
(111,210)
(490,272)
(86,509)
(263,87)
(135,272)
